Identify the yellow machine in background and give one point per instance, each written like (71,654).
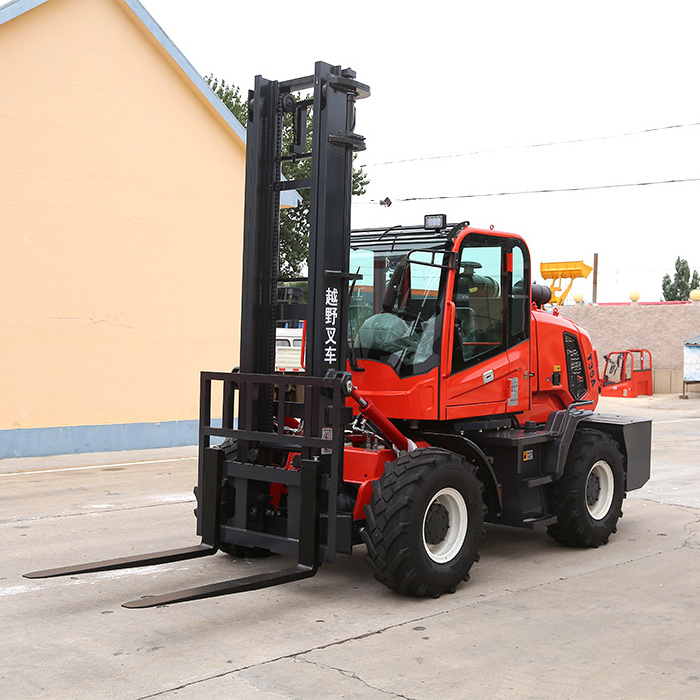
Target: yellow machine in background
(558,271)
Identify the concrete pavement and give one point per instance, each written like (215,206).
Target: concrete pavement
(537,620)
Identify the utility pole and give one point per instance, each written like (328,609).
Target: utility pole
(595,278)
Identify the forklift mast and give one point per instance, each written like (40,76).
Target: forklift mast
(333,143)
(267,401)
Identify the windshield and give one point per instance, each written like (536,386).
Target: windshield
(395,308)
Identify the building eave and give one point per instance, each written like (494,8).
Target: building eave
(16,8)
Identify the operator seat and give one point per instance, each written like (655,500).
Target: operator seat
(381,335)
(465,331)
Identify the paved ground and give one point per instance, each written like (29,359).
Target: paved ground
(537,620)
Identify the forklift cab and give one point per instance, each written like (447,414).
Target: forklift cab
(436,309)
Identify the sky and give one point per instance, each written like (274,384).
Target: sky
(474,101)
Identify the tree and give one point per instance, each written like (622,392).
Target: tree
(230,95)
(679,288)
(294,221)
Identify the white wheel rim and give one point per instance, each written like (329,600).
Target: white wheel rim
(600,488)
(457,519)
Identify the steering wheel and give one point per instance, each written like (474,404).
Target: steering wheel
(410,317)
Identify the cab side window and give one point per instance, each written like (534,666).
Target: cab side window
(520,298)
(478,299)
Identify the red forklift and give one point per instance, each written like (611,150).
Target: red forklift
(437,394)
(627,374)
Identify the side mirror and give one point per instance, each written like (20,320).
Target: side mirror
(392,289)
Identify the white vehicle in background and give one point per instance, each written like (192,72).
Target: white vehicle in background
(289,347)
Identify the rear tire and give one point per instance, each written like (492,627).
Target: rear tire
(587,500)
(424,522)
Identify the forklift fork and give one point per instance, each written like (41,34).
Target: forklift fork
(306,567)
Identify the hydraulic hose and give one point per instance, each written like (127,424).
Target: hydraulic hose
(399,441)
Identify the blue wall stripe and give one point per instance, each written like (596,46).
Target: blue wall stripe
(40,442)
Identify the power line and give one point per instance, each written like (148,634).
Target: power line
(533,145)
(547,191)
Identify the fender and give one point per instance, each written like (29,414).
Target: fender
(562,424)
(484,471)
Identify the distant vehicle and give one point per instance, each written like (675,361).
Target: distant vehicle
(289,343)
(289,337)
(627,373)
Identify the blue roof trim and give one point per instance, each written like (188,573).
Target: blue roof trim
(142,13)
(288,198)
(16,8)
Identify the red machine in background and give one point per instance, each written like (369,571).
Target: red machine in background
(627,374)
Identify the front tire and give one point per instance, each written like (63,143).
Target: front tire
(587,500)
(424,522)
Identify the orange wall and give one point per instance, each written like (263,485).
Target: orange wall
(121,208)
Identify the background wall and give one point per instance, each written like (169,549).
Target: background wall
(660,328)
(121,201)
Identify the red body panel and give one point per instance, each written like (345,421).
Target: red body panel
(529,380)
(549,391)
(362,467)
(408,398)
(361,464)
(485,388)
(475,392)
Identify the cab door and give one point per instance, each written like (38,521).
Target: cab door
(489,372)
(518,333)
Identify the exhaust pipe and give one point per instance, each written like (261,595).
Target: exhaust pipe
(540,295)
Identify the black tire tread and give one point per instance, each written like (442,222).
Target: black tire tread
(388,521)
(574,527)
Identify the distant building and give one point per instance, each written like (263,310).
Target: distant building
(121,210)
